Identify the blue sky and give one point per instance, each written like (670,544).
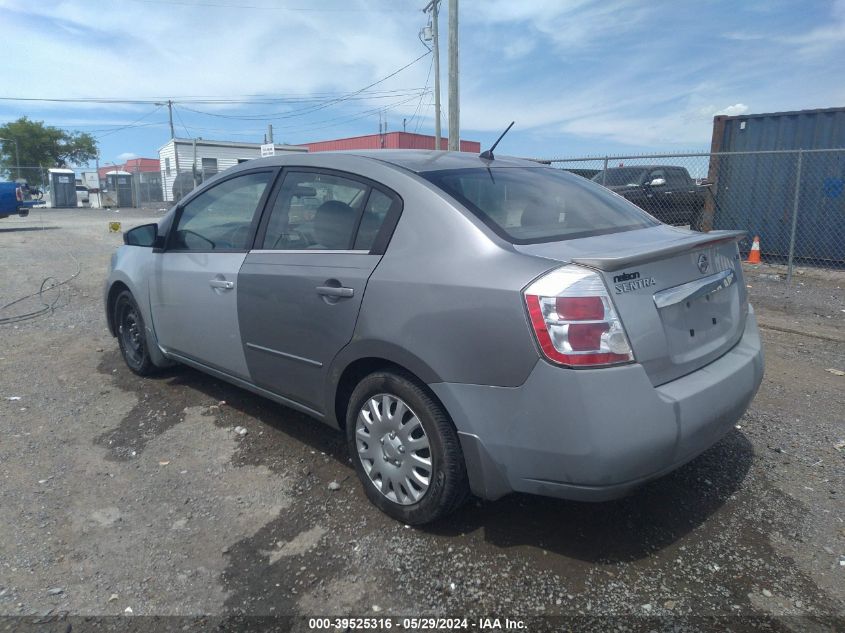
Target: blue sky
(579,77)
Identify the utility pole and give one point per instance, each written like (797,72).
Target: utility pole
(434,7)
(194,168)
(169,105)
(454,92)
(170,114)
(269,132)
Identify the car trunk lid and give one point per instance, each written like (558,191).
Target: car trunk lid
(680,294)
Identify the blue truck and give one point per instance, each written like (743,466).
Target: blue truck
(17,199)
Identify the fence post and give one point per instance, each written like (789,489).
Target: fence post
(604,172)
(794,217)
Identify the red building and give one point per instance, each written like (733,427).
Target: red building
(133,166)
(388,140)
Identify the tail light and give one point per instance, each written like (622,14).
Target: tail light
(574,320)
(18,193)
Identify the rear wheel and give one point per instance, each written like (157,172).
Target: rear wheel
(131,335)
(405,450)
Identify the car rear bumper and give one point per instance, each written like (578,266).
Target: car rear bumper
(594,435)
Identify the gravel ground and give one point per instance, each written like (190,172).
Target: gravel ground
(121,494)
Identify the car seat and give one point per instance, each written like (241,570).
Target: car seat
(333,222)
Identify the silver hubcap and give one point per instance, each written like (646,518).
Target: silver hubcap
(393,448)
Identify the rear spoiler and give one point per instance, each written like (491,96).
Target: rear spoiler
(624,259)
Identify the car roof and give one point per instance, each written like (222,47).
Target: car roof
(418,161)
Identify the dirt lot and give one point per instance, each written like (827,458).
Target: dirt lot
(123,495)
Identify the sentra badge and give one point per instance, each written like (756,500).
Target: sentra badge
(627,282)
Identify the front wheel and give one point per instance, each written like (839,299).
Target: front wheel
(131,335)
(404,449)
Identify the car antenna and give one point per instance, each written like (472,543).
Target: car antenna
(488,154)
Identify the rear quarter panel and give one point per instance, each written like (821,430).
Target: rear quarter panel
(445,300)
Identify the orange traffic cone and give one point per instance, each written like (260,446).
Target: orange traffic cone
(754,253)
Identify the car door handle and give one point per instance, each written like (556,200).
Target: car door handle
(332,291)
(222,284)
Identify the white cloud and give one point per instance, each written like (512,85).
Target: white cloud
(163,50)
(733,110)
(814,42)
(126,156)
(518,47)
(581,68)
(743,36)
(569,25)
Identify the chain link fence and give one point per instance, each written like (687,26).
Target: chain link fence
(113,187)
(793,200)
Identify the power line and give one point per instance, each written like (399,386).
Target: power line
(318,105)
(270,116)
(127,126)
(218,5)
(342,120)
(268,98)
(310,109)
(179,116)
(422,95)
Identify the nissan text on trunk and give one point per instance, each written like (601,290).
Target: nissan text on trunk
(473,325)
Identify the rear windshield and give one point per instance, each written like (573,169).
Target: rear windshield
(526,205)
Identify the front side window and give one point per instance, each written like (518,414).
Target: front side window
(315,211)
(527,205)
(220,218)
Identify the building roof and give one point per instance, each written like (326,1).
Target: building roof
(211,143)
(388,140)
(142,164)
(779,114)
(133,165)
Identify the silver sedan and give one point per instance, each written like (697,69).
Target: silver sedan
(473,325)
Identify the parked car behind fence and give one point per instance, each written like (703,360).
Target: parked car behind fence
(793,200)
(667,192)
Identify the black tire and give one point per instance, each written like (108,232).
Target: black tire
(131,334)
(448,488)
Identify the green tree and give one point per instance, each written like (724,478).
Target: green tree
(42,146)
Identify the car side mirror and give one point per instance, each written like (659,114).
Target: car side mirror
(145,235)
(657,182)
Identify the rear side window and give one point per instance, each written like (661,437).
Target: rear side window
(321,211)
(677,178)
(531,205)
(220,218)
(375,212)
